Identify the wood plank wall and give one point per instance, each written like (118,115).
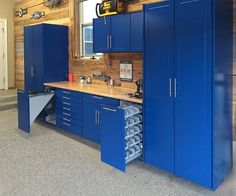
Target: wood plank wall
(110,64)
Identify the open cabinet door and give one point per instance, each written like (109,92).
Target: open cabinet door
(113,137)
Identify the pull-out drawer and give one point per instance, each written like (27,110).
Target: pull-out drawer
(68,93)
(69,104)
(68,109)
(69,126)
(121,135)
(100,100)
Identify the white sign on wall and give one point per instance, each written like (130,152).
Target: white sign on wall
(126,70)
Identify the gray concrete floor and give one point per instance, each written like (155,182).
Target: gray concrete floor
(8,92)
(50,162)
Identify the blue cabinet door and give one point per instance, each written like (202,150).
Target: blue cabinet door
(91,129)
(136,32)
(120,33)
(158,85)
(193,106)
(101,35)
(113,137)
(28,58)
(38,58)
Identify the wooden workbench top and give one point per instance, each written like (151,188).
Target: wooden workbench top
(97,89)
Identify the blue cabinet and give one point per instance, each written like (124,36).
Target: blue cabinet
(121,135)
(119,33)
(69,111)
(158,97)
(193,73)
(46,55)
(187,90)
(101,35)
(91,115)
(137,31)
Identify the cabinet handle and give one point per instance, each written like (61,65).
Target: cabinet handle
(66,114)
(66,103)
(110,41)
(64,108)
(96,117)
(66,119)
(32,72)
(98,112)
(66,98)
(175,88)
(170,87)
(112,110)
(66,92)
(95,97)
(66,124)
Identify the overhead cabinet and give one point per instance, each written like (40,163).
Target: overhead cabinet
(187,89)
(45,55)
(119,33)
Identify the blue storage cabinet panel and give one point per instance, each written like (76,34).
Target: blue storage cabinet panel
(113,137)
(101,35)
(46,55)
(222,94)
(91,115)
(137,38)
(120,33)
(193,108)
(91,122)
(69,111)
(23,111)
(158,94)
(28,57)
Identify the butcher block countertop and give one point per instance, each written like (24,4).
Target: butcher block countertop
(97,89)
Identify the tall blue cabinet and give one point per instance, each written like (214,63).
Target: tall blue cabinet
(46,55)
(188,89)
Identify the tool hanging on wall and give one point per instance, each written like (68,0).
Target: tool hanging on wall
(111,7)
(52,3)
(21,12)
(37,15)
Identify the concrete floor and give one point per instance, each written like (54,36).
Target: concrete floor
(8,92)
(49,162)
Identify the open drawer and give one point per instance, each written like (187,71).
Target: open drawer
(121,135)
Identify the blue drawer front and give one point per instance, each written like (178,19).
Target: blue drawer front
(71,104)
(62,92)
(62,97)
(69,120)
(101,100)
(67,108)
(68,126)
(66,115)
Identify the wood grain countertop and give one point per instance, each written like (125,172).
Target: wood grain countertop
(97,89)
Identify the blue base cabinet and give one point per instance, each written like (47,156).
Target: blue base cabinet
(188,89)
(69,111)
(121,135)
(91,115)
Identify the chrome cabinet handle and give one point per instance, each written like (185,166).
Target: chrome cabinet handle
(66,114)
(98,113)
(66,103)
(66,98)
(67,124)
(175,88)
(66,109)
(66,119)
(66,92)
(32,72)
(170,87)
(96,117)
(112,110)
(110,41)
(95,97)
